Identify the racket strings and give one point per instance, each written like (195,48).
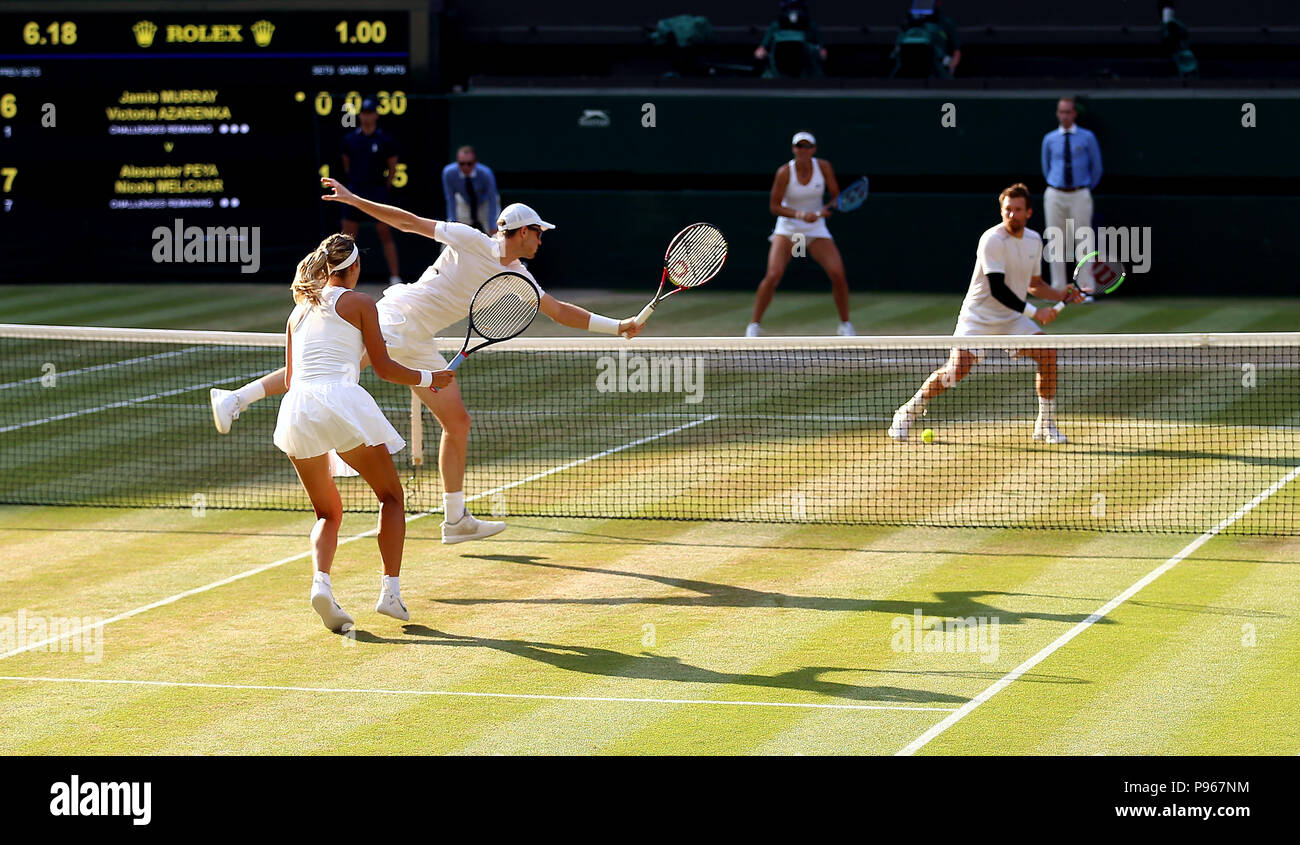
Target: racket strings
(696,256)
(853,195)
(505,308)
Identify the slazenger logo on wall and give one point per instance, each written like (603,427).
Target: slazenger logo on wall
(593,117)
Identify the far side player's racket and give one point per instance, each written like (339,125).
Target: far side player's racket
(694,256)
(854,195)
(504,306)
(1107,276)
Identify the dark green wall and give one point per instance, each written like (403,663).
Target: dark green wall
(1141,136)
(1220,198)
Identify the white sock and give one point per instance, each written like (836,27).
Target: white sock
(391,585)
(1046,409)
(323,578)
(250,393)
(453,505)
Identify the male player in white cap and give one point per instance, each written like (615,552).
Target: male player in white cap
(1007,264)
(412,315)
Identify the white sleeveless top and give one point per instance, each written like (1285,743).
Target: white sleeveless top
(326,348)
(805,197)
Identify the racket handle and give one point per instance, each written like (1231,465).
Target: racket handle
(644,315)
(457,361)
(1060,306)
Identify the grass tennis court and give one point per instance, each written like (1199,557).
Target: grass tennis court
(650,636)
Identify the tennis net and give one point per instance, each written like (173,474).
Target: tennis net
(1166,432)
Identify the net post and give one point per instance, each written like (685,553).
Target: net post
(417,431)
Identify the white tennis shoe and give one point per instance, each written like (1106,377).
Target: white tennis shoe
(902,424)
(754,330)
(225,408)
(469,528)
(1046,432)
(846,330)
(390,604)
(334,617)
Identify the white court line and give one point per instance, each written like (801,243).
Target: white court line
(282,561)
(124,403)
(1010,678)
(467,694)
(99,367)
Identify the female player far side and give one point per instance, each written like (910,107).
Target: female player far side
(796,200)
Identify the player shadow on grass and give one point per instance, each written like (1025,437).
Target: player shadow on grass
(949,604)
(589,660)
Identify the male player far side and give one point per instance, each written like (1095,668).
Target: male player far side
(1007,264)
(412,315)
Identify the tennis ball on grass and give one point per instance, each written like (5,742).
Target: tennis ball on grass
(928,435)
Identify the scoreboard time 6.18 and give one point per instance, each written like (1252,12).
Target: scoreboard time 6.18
(115,123)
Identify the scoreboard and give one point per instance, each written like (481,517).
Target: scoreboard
(117,125)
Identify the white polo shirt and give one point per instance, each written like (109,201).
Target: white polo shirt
(442,294)
(1018,259)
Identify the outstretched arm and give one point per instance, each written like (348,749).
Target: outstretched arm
(577,317)
(392,215)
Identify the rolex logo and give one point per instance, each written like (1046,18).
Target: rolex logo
(144,33)
(262,32)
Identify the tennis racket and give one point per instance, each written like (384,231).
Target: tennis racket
(1107,276)
(693,257)
(502,308)
(854,195)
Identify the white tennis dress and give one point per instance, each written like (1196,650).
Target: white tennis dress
(325,408)
(803,198)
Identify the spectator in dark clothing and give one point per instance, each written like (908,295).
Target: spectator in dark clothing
(792,45)
(369,166)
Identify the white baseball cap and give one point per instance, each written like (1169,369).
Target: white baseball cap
(803,136)
(517,215)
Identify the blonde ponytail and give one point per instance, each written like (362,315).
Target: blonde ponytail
(313,271)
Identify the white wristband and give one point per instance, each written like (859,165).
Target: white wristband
(426,378)
(1030,310)
(603,325)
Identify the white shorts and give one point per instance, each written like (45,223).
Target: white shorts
(789,227)
(408,344)
(1017,324)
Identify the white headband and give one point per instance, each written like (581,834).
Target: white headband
(347,262)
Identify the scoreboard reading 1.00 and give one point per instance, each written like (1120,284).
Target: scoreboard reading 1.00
(112,124)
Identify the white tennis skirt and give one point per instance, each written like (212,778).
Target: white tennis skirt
(789,226)
(319,417)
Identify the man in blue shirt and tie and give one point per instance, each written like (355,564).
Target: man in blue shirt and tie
(471,192)
(1072,168)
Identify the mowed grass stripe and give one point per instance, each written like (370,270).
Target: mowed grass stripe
(120,563)
(828,629)
(1172,702)
(735,629)
(712,635)
(601,652)
(1112,657)
(998,575)
(241,652)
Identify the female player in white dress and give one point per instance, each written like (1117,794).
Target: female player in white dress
(796,200)
(326,410)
